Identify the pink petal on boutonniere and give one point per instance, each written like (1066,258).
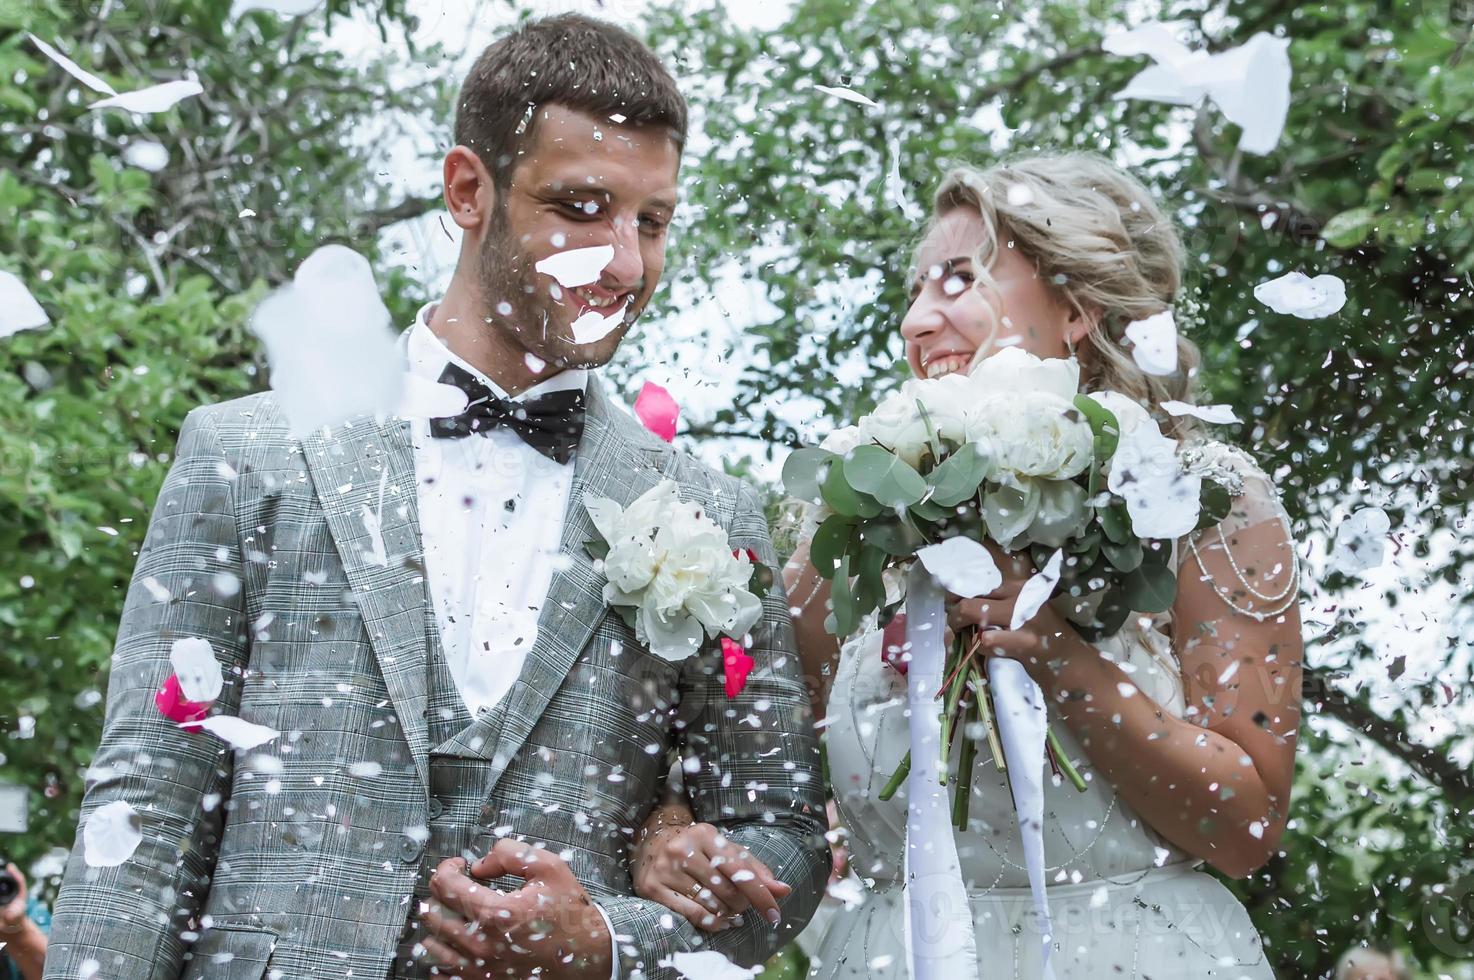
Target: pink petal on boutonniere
(172,704)
(658,411)
(893,644)
(736,665)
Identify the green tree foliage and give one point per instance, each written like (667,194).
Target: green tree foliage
(149,279)
(1371,182)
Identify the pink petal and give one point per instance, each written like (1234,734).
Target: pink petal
(736,665)
(173,705)
(658,410)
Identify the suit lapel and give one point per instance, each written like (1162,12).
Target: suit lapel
(365,479)
(608,464)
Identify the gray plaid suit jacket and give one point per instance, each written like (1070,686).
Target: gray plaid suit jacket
(299,859)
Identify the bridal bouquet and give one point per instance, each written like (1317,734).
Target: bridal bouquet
(1086,484)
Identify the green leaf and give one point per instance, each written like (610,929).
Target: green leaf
(804,471)
(1350,228)
(870,586)
(1115,521)
(842,497)
(1104,426)
(1151,588)
(842,598)
(891,537)
(597,548)
(829,544)
(1125,557)
(884,476)
(957,477)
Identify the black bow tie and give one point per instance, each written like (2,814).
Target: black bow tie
(551,423)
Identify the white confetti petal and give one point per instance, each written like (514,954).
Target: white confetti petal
(594,326)
(1299,295)
(577,266)
(111,835)
(72,68)
(1361,541)
(1036,591)
(146,155)
(1162,500)
(18,308)
(1154,343)
(328,339)
(366,770)
(848,94)
(241,734)
(1250,84)
(155,98)
(849,890)
(198,669)
(962,566)
(708,964)
(895,188)
(1216,414)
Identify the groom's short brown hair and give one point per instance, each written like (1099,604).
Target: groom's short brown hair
(573,61)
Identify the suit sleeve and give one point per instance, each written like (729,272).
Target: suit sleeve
(752,768)
(128,919)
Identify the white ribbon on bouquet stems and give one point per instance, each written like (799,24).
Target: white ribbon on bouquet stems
(940,941)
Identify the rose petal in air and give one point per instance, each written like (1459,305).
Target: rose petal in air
(155,98)
(241,734)
(736,665)
(111,835)
(18,308)
(1154,343)
(962,566)
(72,68)
(658,411)
(172,704)
(1299,295)
(1036,591)
(848,94)
(1216,414)
(198,670)
(708,964)
(1361,541)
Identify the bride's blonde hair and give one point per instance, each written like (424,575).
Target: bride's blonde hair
(1103,248)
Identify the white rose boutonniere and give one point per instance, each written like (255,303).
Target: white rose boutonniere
(673,575)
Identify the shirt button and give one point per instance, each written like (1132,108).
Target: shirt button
(410,850)
(436,807)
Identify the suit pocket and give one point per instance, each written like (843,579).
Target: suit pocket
(230,953)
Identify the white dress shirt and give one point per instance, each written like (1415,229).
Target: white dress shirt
(491,513)
(491,516)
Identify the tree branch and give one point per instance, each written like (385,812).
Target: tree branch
(371,222)
(1432,763)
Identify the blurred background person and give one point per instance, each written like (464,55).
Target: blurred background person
(1366,963)
(24,923)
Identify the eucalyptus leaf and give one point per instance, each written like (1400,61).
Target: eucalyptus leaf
(891,536)
(804,471)
(958,476)
(1150,588)
(1115,521)
(884,476)
(829,544)
(842,599)
(842,497)
(1125,557)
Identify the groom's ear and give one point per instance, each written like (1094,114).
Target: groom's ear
(469,193)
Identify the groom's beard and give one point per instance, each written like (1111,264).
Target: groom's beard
(521,310)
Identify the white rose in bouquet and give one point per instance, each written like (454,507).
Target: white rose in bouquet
(1014,369)
(896,424)
(1032,434)
(676,568)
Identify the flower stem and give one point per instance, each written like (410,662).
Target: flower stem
(985,714)
(949,716)
(1071,773)
(897,778)
(965,765)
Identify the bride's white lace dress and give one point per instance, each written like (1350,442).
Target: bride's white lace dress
(1125,903)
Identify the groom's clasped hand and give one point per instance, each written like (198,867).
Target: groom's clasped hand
(549,926)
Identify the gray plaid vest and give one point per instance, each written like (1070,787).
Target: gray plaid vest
(458,793)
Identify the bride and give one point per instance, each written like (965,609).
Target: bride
(1183,723)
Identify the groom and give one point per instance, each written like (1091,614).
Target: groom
(411,606)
